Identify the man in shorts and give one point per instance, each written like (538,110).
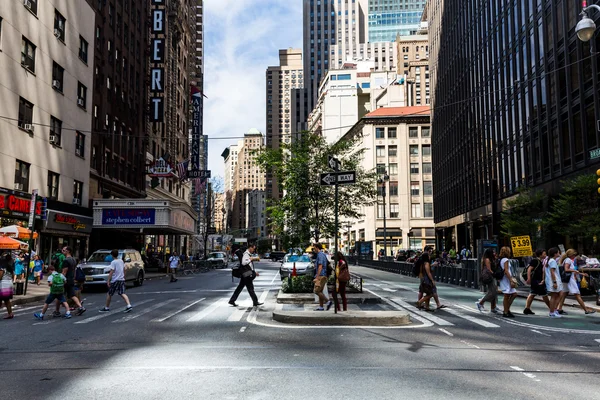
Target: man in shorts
(68,269)
(116,282)
(174,264)
(321,276)
(56,282)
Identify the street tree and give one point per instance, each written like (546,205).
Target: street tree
(524,214)
(306,209)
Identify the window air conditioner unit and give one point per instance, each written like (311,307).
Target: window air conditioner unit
(80,102)
(18,186)
(27,3)
(56,84)
(53,138)
(28,127)
(56,33)
(76,201)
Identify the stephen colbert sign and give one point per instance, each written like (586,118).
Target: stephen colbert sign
(157,59)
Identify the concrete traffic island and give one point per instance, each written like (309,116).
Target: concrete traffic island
(300,298)
(358,318)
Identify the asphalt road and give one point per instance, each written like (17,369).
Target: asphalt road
(183,341)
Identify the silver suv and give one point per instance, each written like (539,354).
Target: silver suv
(96,267)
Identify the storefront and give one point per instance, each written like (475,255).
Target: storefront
(66,229)
(14,209)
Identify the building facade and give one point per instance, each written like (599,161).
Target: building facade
(46,80)
(383,55)
(390,18)
(256,208)
(520,111)
(413,64)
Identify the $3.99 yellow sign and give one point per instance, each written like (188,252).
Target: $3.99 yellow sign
(521,246)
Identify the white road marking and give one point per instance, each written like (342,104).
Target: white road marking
(477,321)
(207,311)
(446,332)
(469,344)
(276,275)
(546,328)
(541,333)
(177,312)
(263,296)
(242,329)
(43,323)
(389,290)
(432,318)
(237,315)
(104,315)
(527,374)
(165,292)
(19,310)
(597,340)
(138,313)
(517,368)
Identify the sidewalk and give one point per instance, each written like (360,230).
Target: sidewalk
(37,293)
(523,291)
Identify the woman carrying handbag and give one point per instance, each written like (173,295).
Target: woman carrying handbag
(487,278)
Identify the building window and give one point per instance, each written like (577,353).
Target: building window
(426,150)
(59,25)
(25,113)
(415,188)
(427,168)
(425,132)
(428,188)
(77,192)
(58,74)
(81,95)
(22,176)
(55,131)
(428,210)
(393,188)
(393,169)
(380,151)
(31,5)
(83,49)
(379,133)
(381,169)
(53,185)
(80,144)
(380,210)
(391,133)
(27,54)
(394,210)
(414,168)
(393,151)
(416,210)
(414,150)
(413,132)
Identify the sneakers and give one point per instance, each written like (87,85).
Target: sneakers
(495,311)
(56,314)
(480,307)
(561,312)
(81,310)
(528,311)
(590,312)
(128,308)
(554,314)
(319,309)
(329,303)
(508,315)
(104,309)
(39,316)
(67,315)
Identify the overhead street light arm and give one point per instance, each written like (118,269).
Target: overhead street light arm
(586,27)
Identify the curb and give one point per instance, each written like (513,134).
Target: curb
(302,298)
(357,318)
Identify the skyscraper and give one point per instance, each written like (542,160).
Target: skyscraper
(390,18)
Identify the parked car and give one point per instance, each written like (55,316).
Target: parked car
(218,259)
(304,265)
(254,257)
(96,267)
(277,255)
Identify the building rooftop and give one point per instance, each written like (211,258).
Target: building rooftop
(399,111)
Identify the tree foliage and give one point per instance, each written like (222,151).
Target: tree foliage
(524,214)
(306,209)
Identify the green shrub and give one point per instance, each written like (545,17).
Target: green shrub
(299,284)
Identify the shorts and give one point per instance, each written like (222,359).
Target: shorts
(537,289)
(69,290)
(37,274)
(320,284)
(51,297)
(79,286)
(117,287)
(427,288)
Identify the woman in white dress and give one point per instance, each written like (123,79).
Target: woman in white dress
(572,287)
(510,293)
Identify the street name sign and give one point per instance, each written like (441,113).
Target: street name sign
(342,178)
(198,173)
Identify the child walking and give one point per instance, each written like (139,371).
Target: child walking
(56,281)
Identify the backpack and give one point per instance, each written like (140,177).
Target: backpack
(55,260)
(58,284)
(565,277)
(417,267)
(329,269)
(524,272)
(498,270)
(79,275)
(236,271)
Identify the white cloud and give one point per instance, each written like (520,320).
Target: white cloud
(242,38)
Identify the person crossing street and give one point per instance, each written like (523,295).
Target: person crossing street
(248,275)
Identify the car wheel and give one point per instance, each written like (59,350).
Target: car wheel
(139,280)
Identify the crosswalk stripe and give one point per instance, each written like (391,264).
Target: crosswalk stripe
(475,320)
(104,315)
(432,318)
(138,313)
(207,311)
(237,314)
(178,311)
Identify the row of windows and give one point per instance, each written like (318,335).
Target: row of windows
(393,210)
(22,172)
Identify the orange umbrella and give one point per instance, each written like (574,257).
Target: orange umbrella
(17,231)
(8,243)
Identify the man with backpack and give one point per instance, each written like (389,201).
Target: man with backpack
(68,270)
(56,281)
(533,275)
(247,275)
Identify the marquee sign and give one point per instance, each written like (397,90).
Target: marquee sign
(157,59)
(17,204)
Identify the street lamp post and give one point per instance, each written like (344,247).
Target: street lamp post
(383,181)
(223,228)
(586,27)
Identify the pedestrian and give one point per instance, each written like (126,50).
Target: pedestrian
(56,282)
(507,283)
(6,283)
(452,254)
(427,287)
(79,281)
(19,267)
(553,282)
(116,282)
(38,267)
(425,257)
(571,287)
(535,278)
(68,270)
(173,264)
(247,278)
(488,262)
(343,276)
(320,280)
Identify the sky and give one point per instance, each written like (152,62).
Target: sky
(242,39)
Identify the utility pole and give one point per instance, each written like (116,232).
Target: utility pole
(207,214)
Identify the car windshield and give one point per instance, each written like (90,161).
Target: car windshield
(298,259)
(216,255)
(102,256)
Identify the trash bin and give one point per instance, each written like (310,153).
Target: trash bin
(20,288)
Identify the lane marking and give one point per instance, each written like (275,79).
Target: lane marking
(477,321)
(207,311)
(432,318)
(177,312)
(446,332)
(389,290)
(165,292)
(276,275)
(597,340)
(104,315)
(242,329)
(138,313)
(469,344)
(541,333)
(527,374)
(546,328)
(237,315)
(263,296)
(517,368)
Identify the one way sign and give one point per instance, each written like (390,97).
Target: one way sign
(342,178)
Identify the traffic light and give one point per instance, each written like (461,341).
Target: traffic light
(598,174)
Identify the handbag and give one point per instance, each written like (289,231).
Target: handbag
(584,283)
(514,283)
(344,274)
(486,276)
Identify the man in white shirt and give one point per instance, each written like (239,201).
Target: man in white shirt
(174,264)
(116,282)
(248,275)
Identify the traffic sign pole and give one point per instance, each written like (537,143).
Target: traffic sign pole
(335,165)
(34,195)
